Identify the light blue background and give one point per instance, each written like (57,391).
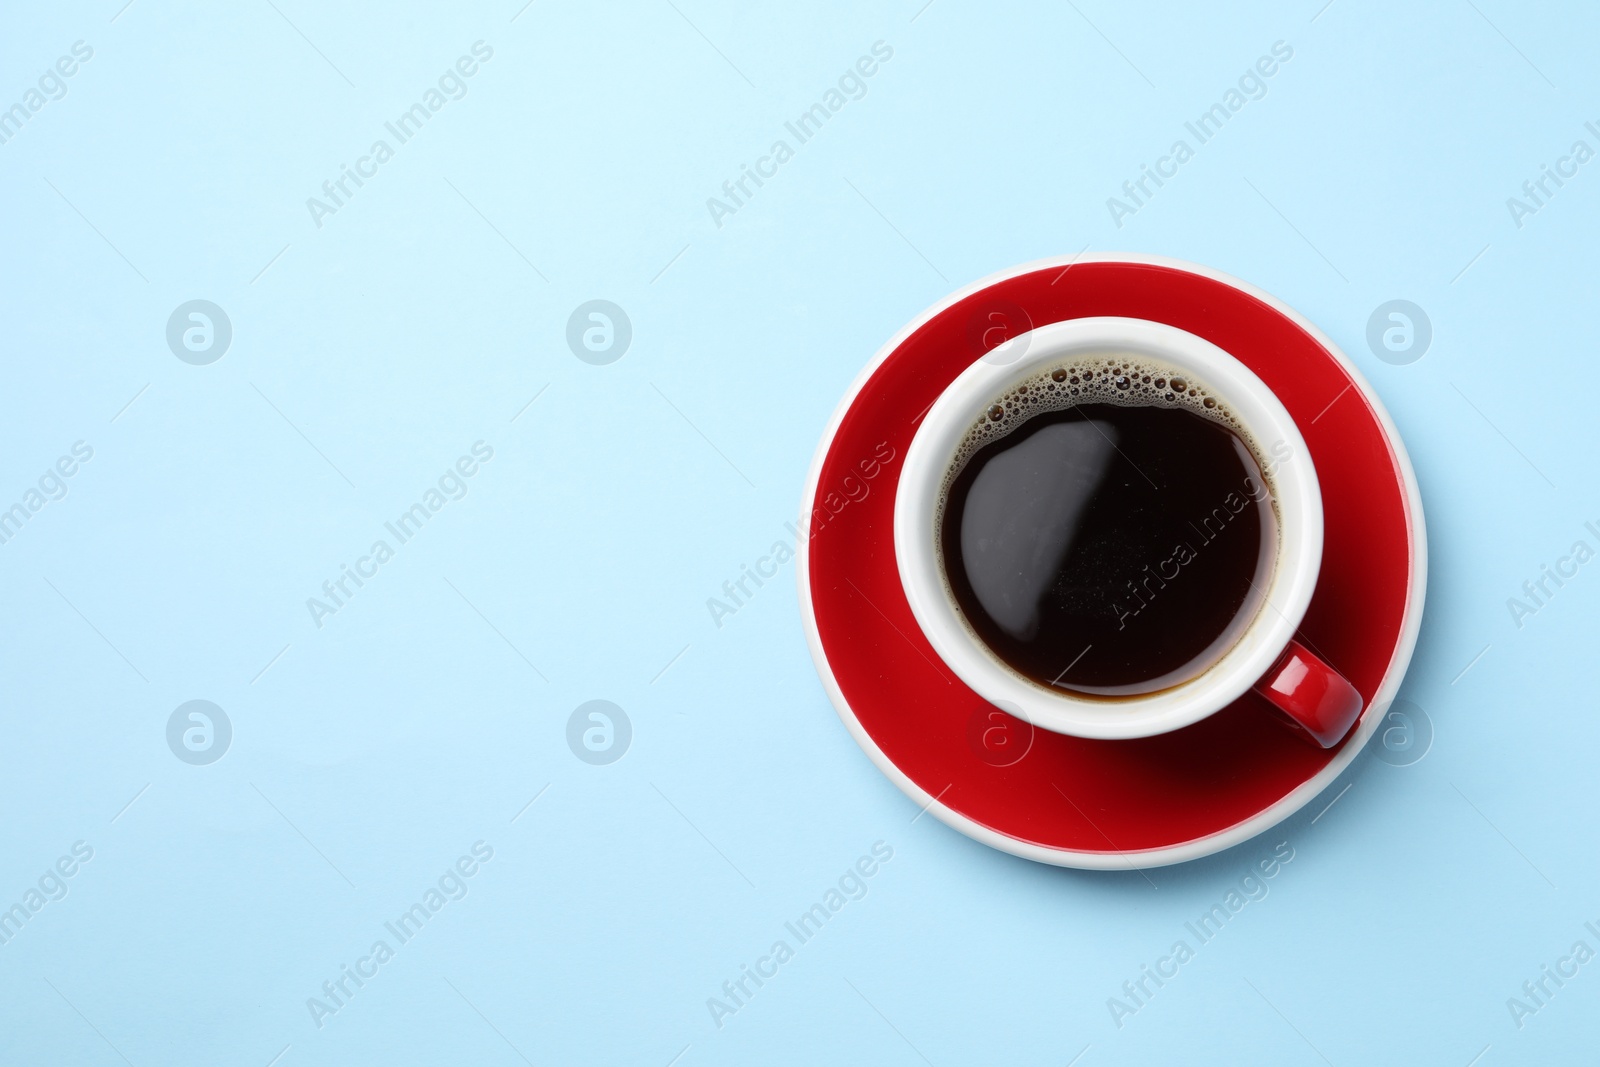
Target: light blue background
(374,751)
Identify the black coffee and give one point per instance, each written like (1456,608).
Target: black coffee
(1107,530)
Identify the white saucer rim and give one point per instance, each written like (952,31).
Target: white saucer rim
(1195,848)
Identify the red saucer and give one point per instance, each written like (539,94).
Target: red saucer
(1067,800)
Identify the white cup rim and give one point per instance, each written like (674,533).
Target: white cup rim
(1296,491)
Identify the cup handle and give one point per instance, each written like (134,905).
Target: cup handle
(1319,703)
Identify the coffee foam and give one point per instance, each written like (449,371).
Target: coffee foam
(1104,378)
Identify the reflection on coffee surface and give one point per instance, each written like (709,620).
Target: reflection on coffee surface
(1107,529)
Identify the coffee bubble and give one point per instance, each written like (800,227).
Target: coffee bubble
(1127,381)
